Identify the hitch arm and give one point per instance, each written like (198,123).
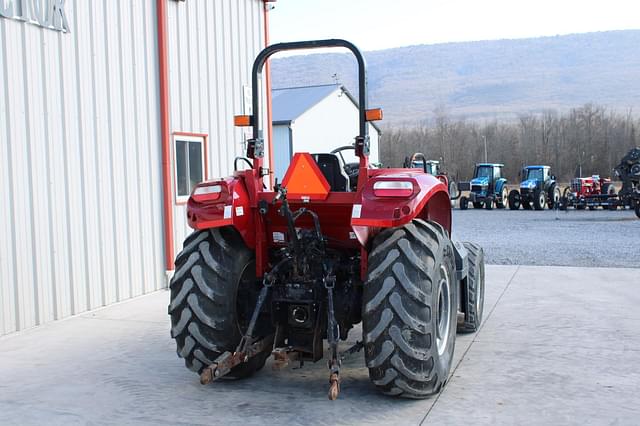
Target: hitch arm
(225,362)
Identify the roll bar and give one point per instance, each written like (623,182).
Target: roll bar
(256,144)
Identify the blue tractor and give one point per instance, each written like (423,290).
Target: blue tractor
(537,189)
(486,188)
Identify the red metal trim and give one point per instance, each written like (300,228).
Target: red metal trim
(163,77)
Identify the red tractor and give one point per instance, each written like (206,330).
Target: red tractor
(589,192)
(280,271)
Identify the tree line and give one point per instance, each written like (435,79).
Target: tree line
(590,138)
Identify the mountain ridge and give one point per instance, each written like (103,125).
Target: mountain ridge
(484,79)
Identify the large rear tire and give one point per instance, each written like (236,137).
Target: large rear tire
(474,289)
(213,292)
(453,190)
(410,310)
(539,199)
(553,198)
(514,199)
(501,203)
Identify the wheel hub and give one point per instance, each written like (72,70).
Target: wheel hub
(443,317)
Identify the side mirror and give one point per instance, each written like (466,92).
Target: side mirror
(553,177)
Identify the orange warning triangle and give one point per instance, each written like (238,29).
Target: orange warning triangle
(304,180)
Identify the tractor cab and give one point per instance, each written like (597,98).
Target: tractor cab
(486,188)
(534,177)
(430,166)
(433,167)
(419,161)
(485,177)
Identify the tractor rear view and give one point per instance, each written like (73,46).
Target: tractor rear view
(279,272)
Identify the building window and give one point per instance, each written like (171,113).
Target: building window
(189,163)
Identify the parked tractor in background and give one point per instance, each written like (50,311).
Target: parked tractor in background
(279,271)
(589,192)
(486,188)
(538,189)
(419,161)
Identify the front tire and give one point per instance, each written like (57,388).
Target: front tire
(488,204)
(464,203)
(410,310)
(213,269)
(474,289)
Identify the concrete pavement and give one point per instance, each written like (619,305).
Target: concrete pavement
(558,346)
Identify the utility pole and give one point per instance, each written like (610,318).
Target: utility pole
(484,138)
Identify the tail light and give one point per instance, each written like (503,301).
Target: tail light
(393,188)
(207,192)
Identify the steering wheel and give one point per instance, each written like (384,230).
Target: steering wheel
(351,169)
(245,159)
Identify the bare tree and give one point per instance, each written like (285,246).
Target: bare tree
(588,139)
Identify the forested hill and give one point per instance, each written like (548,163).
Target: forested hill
(485,79)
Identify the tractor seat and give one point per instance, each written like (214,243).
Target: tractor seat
(332,170)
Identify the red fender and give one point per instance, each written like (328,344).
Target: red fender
(229,205)
(374,210)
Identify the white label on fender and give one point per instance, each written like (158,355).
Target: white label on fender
(239,211)
(227,212)
(278,237)
(352,235)
(355,213)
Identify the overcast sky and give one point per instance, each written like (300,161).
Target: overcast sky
(380,24)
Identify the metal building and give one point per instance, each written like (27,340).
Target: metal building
(102,104)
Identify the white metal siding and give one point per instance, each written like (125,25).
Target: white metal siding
(329,124)
(80,157)
(212,45)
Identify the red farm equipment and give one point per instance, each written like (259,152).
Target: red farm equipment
(280,271)
(589,192)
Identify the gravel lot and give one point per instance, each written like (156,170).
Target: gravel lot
(572,238)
